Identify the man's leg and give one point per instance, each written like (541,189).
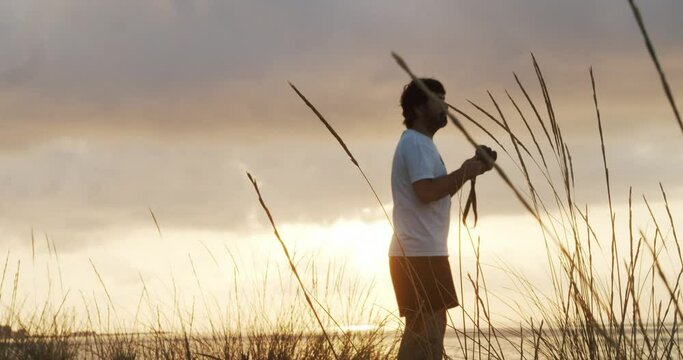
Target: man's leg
(414,341)
(435,331)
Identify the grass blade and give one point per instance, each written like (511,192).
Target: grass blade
(291,264)
(653,55)
(156,222)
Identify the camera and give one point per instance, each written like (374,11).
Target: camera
(482,152)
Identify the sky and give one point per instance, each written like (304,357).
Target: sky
(111,108)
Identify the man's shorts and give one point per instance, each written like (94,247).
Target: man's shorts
(422,284)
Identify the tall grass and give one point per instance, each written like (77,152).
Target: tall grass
(582,316)
(58,332)
(631,311)
(585,316)
(655,60)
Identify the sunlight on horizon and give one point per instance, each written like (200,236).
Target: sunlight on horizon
(346,258)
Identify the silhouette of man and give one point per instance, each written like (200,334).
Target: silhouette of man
(421,190)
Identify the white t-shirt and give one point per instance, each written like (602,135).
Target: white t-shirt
(421,228)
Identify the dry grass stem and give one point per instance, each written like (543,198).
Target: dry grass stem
(655,60)
(291,264)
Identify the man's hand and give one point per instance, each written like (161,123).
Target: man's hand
(483,160)
(473,167)
(486,155)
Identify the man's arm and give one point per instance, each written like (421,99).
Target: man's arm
(428,190)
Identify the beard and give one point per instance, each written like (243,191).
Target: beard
(437,122)
(442,120)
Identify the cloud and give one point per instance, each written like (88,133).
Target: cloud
(109,108)
(219,69)
(75,190)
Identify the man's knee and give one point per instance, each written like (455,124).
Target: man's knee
(415,322)
(427,323)
(436,327)
(427,329)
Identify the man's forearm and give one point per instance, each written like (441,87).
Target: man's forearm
(434,189)
(458,178)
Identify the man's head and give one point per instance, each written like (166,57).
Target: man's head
(418,107)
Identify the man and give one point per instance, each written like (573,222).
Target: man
(418,256)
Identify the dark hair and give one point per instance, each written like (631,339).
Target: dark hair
(413,96)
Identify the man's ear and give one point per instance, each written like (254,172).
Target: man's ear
(420,109)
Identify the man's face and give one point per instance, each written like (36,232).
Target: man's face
(434,112)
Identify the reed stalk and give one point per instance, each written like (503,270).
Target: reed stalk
(655,60)
(291,264)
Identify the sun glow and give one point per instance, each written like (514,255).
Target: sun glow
(361,244)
